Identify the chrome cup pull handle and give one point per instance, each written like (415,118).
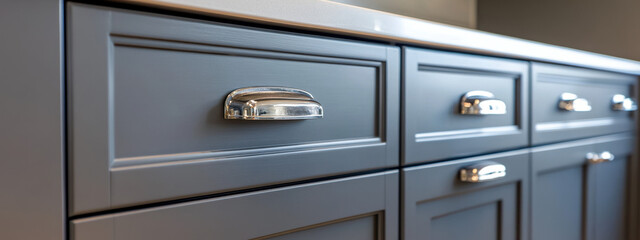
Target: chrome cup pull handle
(620,102)
(481,103)
(271,103)
(483,171)
(572,103)
(595,158)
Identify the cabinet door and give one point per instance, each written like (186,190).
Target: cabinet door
(438,205)
(612,191)
(559,188)
(356,208)
(573,198)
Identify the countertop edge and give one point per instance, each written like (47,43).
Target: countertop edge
(343,19)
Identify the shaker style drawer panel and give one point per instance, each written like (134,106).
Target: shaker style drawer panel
(479,198)
(571,103)
(459,105)
(580,189)
(162,108)
(356,208)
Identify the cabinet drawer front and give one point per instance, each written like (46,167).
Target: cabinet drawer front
(434,125)
(573,198)
(147,97)
(437,204)
(551,123)
(356,208)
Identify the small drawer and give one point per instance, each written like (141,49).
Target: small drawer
(570,103)
(162,108)
(458,105)
(441,202)
(356,208)
(589,181)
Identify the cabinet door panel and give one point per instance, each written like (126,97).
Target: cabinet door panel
(353,229)
(355,208)
(558,198)
(437,205)
(611,200)
(612,191)
(575,199)
(481,213)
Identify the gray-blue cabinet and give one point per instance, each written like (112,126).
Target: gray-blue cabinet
(187,129)
(214,124)
(147,98)
(438,204)
(569,103)
(364,207)
(580,189)
(457,105)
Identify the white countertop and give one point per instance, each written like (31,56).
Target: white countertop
(339,18)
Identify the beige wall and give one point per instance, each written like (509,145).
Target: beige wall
(610,27)
(454,12)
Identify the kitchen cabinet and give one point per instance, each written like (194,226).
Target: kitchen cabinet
(439,205)
(147,95)
(580,189)
(570,103)
(165,109)
(438,86)
(364,207)
(177,125)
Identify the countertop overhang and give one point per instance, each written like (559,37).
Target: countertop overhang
(343,19)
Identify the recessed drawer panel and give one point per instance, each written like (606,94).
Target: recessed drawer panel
(459,105)
(356,208)
(571,103)
(443,202)
(163,108)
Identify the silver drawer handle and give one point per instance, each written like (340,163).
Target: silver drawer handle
(572,103)
(483,171)
(595,158)
(620,102)
(271,103)
(481,103)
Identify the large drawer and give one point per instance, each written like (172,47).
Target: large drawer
(357,208)
(439,205)
(582,189)
(593,113)
(434,85)
(147,95)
